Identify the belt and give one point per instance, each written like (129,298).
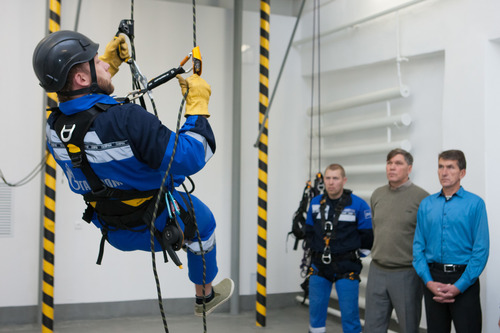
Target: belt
(448,268)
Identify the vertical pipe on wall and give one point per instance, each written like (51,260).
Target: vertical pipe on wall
(47,259)
(265,12)
(236,159)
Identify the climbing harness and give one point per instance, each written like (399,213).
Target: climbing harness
(348,275)
(325,260)
(115,208)
(326,257)
(300,215)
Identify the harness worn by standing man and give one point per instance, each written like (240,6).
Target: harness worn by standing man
(338,226)
(116,154)
(450,250)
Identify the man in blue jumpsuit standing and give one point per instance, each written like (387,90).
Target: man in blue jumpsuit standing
(116,155)
(338,227)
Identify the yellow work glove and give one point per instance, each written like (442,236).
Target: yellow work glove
(115,53)
(198,95)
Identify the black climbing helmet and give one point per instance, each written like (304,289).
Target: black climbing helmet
(57,53)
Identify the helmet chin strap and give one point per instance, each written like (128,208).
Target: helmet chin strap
(94,87)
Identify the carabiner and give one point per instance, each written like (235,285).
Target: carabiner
(326,258)
(137,74)
(174,203)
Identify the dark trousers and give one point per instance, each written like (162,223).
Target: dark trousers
(465,312)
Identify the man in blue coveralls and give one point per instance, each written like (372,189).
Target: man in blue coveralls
(116,154)
(338,226)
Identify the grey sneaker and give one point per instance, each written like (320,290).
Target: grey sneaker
(222,292)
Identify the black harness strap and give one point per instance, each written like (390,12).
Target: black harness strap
(330,228)
(299,217)
(348,275)
(94,86)
(339,207)
(188,219)
(330,234)
(103,200)
(71,130)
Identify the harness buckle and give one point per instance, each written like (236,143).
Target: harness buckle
(326,258)
(100,192)
(328,226)
(66,133)
(76,160)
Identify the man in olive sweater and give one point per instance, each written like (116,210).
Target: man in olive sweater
(392,280)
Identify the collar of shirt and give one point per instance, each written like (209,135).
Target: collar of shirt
(402,186)
(84,103)
(459,193)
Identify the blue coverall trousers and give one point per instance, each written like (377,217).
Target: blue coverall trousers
(319,296)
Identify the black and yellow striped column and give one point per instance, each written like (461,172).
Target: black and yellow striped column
(265,12)
(50,203)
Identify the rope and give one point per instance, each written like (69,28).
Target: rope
(202,259)
(155,212)
(135,82)
(135,85)
(312,91)
(131,37)
(194,23)
(29,177)
(315,43)
(160,193)
(319,88)
(191,203)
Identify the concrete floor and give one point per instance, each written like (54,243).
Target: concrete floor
(290,320)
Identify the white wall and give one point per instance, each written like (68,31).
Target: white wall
(490,292)
(21,133)
(453,76)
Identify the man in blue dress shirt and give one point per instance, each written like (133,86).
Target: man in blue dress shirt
(450,249)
